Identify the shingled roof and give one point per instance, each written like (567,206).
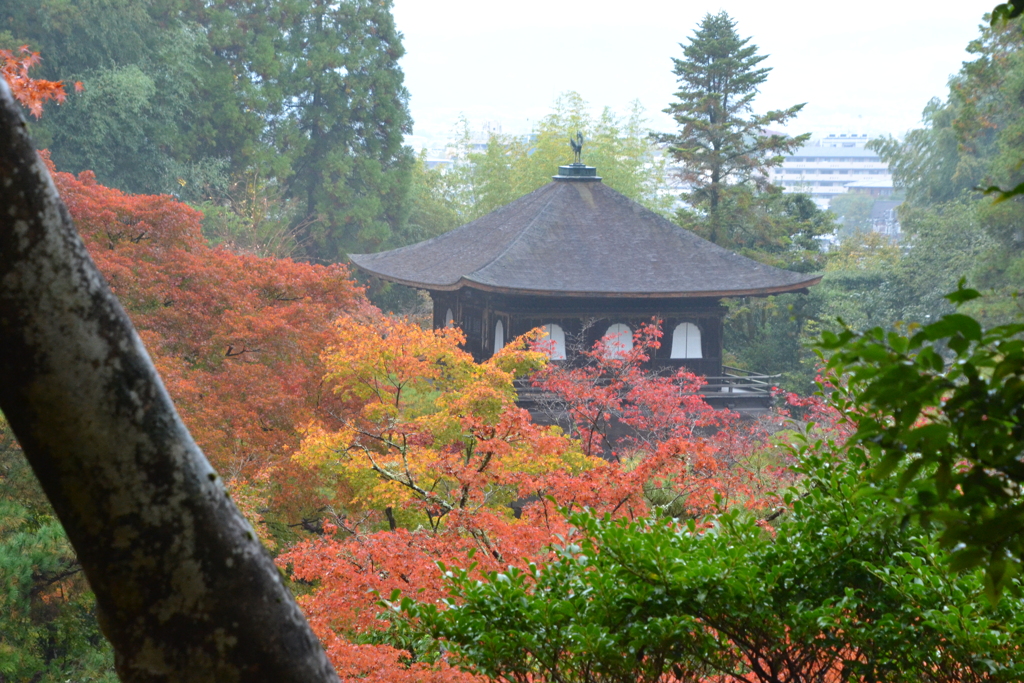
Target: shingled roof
(576,238)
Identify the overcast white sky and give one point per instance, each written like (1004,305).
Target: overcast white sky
(862,67)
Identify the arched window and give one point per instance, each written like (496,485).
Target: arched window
(448,318)
(686,341)
(499,336)
(556,335)
(618,340)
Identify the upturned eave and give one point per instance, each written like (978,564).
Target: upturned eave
(464,283)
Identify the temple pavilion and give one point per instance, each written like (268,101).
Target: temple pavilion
(585,262)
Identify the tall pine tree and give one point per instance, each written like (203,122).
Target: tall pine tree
(722,144)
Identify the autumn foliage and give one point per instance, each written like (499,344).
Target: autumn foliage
(620,409)
(381,462)
(383,447)
(32,93)
(430,462)
(370,451)
(236,338)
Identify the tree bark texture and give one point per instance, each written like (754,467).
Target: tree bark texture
(185,591)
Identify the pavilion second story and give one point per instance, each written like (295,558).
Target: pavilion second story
(691,328)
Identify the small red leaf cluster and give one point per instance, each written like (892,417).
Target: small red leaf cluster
(663,428)
(32,93)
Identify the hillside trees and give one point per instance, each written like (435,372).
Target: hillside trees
(325,79)
(949,229)
(192,98)
(971,140)
(854,210)
(165,551)
(154,106)
(337,110)
(1005,12)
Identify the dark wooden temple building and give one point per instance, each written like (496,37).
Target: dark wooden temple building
(585,262)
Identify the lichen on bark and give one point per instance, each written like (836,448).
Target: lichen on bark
(184,589)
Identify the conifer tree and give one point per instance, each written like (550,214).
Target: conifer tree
(346,101)
(721,142)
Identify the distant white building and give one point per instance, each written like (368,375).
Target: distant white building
(831,166)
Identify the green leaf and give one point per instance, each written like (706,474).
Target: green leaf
(958,344)
(954,323)
(875,353)
(997,576)
(1000,13)
(928,358)
(962,294)
(967,558)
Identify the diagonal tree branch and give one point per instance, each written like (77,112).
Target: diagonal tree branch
(185,591)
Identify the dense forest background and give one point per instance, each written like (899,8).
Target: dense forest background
(220,161)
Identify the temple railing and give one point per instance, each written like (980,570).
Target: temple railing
(736,388)
(739,381)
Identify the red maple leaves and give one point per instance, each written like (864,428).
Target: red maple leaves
(32,93)
(237,339)
(432,463)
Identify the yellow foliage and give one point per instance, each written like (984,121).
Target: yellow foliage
(420,422)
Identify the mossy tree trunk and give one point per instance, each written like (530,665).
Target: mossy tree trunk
(185,591)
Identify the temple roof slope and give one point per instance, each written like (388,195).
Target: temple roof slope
(572,238)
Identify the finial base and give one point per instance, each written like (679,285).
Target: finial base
(577,172)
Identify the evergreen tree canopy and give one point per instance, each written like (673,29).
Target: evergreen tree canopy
(197,98)
(335,108)
(723,149)
(721,141)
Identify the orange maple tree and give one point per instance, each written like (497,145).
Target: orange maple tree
(236,338)
(425,450)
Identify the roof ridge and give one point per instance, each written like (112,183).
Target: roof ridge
(517,238)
